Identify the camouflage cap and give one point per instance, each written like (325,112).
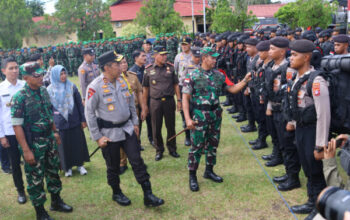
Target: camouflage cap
(31,69)
(209,51)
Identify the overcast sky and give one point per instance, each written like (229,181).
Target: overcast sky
(49,6)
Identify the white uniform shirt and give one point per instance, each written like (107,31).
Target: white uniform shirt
(7,90)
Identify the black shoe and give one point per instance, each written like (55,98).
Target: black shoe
(151,142)
(150,199)
(267,157)
(226,103)
(57,204)
(248,128)
(280,179)
(274,162)
(292,182)
(41,213)
(304,208)
(121,199)
(194,187)
(142,148)
(254,142)
(209,174)
(312,215)
(187,142)
(21,198)
(122,169)
(260,145)
(159,156)
(232,110)
(174,154)
(241,118)
(235,116)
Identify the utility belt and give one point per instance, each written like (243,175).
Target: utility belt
(110,124)
(165,98)
(31,135)
(205,107)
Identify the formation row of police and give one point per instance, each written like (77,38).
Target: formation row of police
(116,104)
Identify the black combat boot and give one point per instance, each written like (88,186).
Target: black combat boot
(241,118)
(261,144)
(41,213)
(280,179)
(305,208)
(149,198)
(292,182)
(267,157)
(188,138)
(209,174)
(57,204)
(194,187)
(119,197)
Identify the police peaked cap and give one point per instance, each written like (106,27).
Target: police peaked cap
(88,50)
(302,46)
(279,42)
(110,56)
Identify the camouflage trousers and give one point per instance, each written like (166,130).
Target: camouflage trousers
(205,137)
(48,164)
(73,66)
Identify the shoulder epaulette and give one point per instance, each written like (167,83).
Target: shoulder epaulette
(131,72)
(148,66)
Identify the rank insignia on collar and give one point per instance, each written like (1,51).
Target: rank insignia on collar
(152,72)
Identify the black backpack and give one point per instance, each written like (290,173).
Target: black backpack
(336,70)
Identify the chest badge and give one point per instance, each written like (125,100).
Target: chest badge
(154,82)
(111,107)
(104,86)
(152,72)
(8,104)
(106,91)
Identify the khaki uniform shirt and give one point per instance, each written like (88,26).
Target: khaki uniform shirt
(160,80)
(87,73)
(135,85)
(180,62)
(190,67)
(319,98)
(111,103)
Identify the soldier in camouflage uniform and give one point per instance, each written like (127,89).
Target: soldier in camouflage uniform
(32,119)
(203,88)
(19,57)
(45,57)
(71,58)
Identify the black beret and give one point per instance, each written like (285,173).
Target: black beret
(88,50)
(218,38)
(273,30)
(212,36)
(280,42)
(160,49)
(251,41)
(196,51)
(110,56)
(263,45)
(302,46)
(341,38)
(309,35)
(34,57)
(325,33)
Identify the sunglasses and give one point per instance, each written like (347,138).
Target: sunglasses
(37,75)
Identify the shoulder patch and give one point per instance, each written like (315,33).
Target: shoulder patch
(82,71)
(91,92)
(316,89)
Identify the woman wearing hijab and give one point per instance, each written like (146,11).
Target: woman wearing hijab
(69,120)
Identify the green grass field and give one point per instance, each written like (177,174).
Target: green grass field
(246,192)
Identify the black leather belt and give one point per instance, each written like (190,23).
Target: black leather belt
(164,98)
(109,124)
(205,107)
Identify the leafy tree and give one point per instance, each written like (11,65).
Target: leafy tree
(36,7)
(258,2)
(226,19)
(86,17)
(315,13)
(133,29)
(288,14)
(15,20)
(159,16)
(305,13)
(223,17)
